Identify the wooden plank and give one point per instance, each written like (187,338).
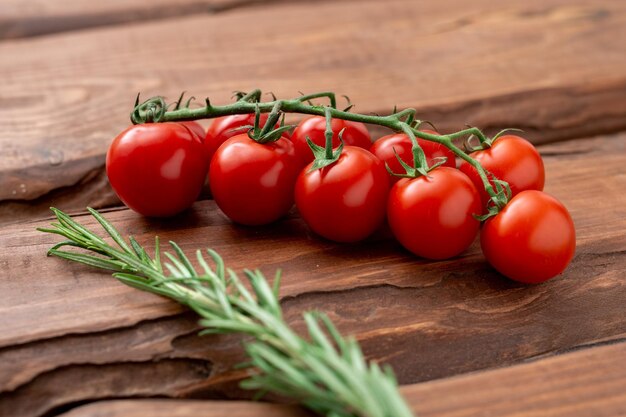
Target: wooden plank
(586,383)
(185,408)
(553,68)
(20,19)
(427,319)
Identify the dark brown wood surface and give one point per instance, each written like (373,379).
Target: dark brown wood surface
(20,19)
(584,384)
(427,319)
(463,341)
(556,69)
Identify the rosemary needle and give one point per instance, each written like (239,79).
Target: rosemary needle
(325,372)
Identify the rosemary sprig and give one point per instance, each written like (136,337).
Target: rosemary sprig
(326,372)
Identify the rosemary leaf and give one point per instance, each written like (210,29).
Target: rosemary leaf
(327,374)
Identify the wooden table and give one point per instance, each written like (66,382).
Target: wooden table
(462,340)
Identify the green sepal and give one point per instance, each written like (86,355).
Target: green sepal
(395,174)
(420,164)
(267,134)
(498,201)
(440,161)
(491,212)
(321,160)
(274,135)
(150,111)
(409,171)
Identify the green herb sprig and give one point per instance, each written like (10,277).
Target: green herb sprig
(325,372)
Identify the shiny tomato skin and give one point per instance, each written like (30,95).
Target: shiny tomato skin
(384,148)
(345,201)
(157,169)
(355,134)
(196,128)
(511,159)
(432,216)
(531,240)
(253,183)
(224,128)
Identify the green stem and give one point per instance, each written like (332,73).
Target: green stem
(328,134)
(253,96)
(327,94)
(397,121)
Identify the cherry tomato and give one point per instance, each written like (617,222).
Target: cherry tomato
(253,183)
(355,134)
(226,127)
(384,148)
(433,216)
(157,169)
(531,240)
(196,128)
(511,159)
(344,201)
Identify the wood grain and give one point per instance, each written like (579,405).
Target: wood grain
(19,19)
(429,320)
(170,408)
(585,384)
(555,69)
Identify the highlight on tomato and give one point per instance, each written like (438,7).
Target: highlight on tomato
(531,240)
(386,148)
(253,178)
(157,169)
(344,200)
(314,128)
(432,215)
(509,158)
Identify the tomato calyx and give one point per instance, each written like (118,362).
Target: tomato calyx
(414,172)
(420,164)
(150,111)
(267,133)
(498,200)
(326,155)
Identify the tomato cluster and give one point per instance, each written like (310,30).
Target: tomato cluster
(158,169)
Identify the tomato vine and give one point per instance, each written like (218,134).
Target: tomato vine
(157,110)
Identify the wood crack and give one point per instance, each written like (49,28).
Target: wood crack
(80,383)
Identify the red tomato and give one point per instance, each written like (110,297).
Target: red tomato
(531,240)
(511,159)
(355,134)
(344,201)
(253,183)
(157,169)
(226,127)
(384,147)
(196,128)
(433,216)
